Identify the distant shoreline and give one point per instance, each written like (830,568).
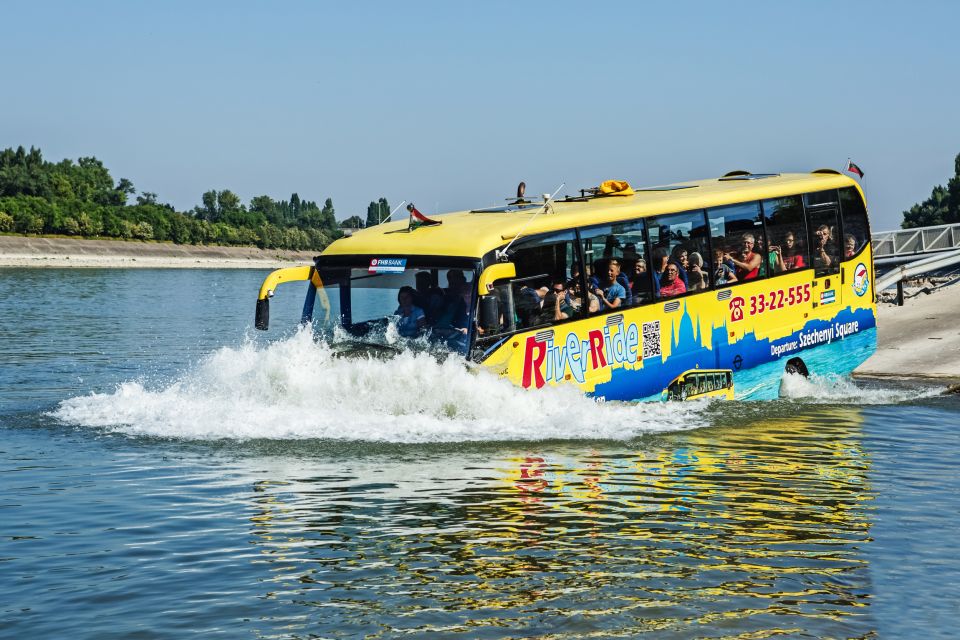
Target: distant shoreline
(58,253)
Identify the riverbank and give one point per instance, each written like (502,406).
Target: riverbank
(21,251)
(918,340)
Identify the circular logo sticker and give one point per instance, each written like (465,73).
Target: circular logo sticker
(860,280)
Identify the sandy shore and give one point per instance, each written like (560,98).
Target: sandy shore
(19,251)
(918,340)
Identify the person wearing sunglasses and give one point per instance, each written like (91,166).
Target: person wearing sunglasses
(672,285)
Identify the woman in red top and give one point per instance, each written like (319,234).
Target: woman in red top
(672,285)
(749,265)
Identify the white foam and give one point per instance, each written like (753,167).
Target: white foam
(832,389)
(296,388)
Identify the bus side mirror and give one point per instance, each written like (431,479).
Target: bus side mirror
(489,314)
(262,318)
(499,271)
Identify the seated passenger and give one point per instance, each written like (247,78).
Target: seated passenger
(640,282)
(672,285)
(723,273)
(849,246)
(563,302)
(529,302)
(748,265)
(697,279)
(788,255)
(680,257)
(612,294)
(427,297)
(411,319)
(824,254)
(659,263)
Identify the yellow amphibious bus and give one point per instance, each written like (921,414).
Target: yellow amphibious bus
(625,293)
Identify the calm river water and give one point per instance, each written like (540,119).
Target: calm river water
(165,472)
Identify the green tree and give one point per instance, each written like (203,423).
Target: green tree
(942,207)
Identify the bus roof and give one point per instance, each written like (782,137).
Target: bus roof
(475,233)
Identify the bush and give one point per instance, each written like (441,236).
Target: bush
(70,226)
(143,231)
(6,222)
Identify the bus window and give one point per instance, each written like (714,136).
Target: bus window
(679,246)
(545,265)
(821,208)
(616,254)
(738,242)
(856,229)
(787,234)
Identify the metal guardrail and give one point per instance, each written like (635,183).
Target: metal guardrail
(915,268)
(904,243)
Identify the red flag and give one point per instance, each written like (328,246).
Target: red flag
(417,219)
(852,168)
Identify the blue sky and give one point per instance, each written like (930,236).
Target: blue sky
(450,104)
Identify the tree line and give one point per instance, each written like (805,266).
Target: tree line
(942,207)
(81,199)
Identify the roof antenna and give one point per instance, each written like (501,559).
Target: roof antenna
(547,199)
(394,211)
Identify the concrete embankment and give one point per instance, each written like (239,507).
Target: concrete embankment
(20,251)
(920,339)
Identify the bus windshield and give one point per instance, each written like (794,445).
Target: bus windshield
(396,302)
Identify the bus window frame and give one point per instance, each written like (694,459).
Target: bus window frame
(833,270)
(761,275)
(806,236)
(585,308)
(499,338)
(866,216)
(657,299)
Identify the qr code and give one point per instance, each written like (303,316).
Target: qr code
(651,339)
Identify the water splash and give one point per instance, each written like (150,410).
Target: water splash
(833,389)
(297,388)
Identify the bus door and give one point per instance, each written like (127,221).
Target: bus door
(825,251)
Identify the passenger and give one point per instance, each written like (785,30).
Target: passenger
(452,323)
(555,306)
(411,318)
(849,246)
(660,259)
(722,272)
(640,282)
(748,266)
(823,254)
(789,256)
(680,257)
(672,285)
(530,303)
(563,297)
(594,303)
(612,295)
(428,297)
(696,277)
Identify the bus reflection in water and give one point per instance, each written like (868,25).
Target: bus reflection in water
(701,383)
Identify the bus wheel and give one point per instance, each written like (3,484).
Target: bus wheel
(796,365)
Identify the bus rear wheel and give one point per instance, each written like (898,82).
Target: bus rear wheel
(797,365)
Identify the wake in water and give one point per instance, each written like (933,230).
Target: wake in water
(297,388)
(833,389)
